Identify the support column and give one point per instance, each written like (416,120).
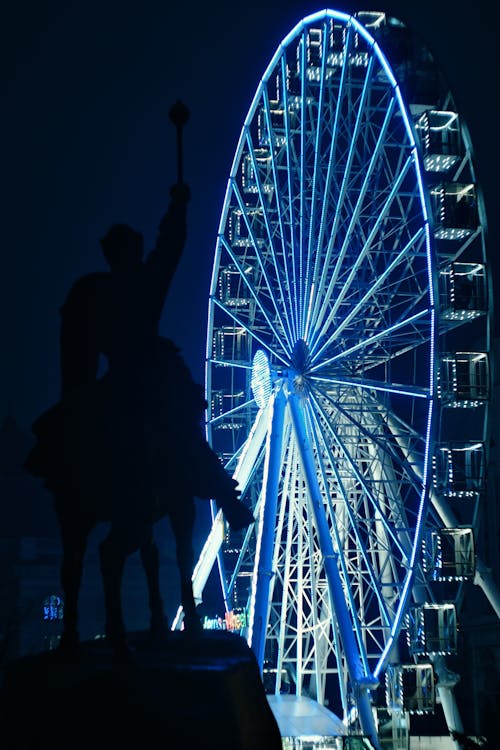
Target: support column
(263,572)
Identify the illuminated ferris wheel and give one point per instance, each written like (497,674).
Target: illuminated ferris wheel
(348,367)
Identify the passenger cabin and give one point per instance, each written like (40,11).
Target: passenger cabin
(459,469)
(410,687)
(223,402)
(432,629)
(449,555)
(455,211)
(464,379)
(440,139)
(462,291)
(232,290)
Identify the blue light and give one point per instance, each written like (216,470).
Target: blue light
(261,379)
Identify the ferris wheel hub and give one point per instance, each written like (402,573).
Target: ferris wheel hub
(300,357)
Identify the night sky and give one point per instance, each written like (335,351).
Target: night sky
(87,142)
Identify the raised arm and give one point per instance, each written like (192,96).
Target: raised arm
(162,261)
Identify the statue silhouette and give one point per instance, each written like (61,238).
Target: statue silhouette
(128,447)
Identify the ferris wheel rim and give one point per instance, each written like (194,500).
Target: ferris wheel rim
(241,145)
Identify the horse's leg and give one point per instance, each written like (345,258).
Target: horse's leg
(126,536)
(113,553)
(182,520)
(75,529)
(151,563)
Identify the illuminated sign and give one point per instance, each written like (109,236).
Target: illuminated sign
(233,621)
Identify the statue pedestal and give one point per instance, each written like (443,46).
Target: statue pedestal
(187,692)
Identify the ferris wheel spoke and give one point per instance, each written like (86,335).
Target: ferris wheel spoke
(345,182)
(257,299)
(290,212)
(373,433)
(251,453)
(282,303)
(279,198)
(321,326)
(231,412)
(321,445)
(302,179)
(319,266)
(387,333)
(355,214)
(351,463)
(337,588)
(255,244)
(243,557)
(251,332)
(374,385)
(369,172)
(358,308)
(401,426)
(315,189)
(229,363)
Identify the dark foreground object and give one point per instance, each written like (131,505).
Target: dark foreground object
(187,692)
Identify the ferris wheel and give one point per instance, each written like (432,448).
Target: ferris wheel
(348,367)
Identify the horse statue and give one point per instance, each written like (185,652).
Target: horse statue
(71,456)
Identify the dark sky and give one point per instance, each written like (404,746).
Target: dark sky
(86,142)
